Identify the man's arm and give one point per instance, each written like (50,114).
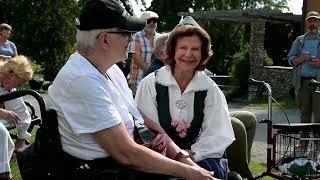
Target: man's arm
(300,59)
(294,58)
(136,58)
(123,149)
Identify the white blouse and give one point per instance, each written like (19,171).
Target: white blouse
(216,133)
(19,107)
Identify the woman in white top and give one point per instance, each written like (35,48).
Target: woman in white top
(188,105)
(13,73)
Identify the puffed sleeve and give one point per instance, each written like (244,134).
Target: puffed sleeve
(19,107)
(217,133)
(146,97)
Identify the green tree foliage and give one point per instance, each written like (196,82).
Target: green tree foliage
(278,41)
(44,30)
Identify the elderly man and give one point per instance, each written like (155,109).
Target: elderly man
(141,48)
(94,104)
(304,57)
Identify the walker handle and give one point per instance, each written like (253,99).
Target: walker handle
(314,83)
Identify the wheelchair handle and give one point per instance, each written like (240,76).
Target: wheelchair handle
(24,92)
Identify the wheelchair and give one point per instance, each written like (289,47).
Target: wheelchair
(45,159)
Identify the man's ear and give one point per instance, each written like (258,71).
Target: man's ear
(103,38)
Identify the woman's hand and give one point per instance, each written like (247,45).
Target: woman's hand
(9,116)
(4,57)
(191,155)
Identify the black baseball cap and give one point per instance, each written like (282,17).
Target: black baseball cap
(104,14)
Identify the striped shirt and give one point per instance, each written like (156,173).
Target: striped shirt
(143,46)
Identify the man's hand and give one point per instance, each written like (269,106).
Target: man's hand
(9,116)
(198,173)
(315,62)
(305,56)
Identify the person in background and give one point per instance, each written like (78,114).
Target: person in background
(98,124)
(239,152)
(187,104)
(7,48)
(158,55)
(141,48)
(304,56)
(13,73)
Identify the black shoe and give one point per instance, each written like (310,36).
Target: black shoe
(234,176)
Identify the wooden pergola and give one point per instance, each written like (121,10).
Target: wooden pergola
(244,16)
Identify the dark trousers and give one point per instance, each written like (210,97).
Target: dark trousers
(218,165)
(309,103)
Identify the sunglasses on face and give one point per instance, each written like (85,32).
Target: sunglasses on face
(154,20)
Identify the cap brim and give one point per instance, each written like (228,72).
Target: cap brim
(133,24)
(317,17)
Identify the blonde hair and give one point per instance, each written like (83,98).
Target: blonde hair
(19,65)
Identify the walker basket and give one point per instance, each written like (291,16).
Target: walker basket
(297,150)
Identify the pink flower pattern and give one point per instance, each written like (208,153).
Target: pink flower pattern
(181,127)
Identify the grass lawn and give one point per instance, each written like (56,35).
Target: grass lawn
(258,168)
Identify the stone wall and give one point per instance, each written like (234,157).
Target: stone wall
(277,76)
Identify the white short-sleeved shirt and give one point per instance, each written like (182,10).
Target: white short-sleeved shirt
(86,102)
(216,131)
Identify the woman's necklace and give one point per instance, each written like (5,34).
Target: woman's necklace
(180,125)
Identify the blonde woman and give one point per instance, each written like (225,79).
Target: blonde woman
(13,73)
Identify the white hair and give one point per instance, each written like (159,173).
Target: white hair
(87,39)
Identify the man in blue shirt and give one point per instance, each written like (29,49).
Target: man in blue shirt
(304,57)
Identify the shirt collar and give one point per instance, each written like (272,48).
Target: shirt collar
(200,80)
(317,36)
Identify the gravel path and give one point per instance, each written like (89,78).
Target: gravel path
(259,147)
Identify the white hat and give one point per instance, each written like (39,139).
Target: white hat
(148,15)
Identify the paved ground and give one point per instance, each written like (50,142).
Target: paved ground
(259,148)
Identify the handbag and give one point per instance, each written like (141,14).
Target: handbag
(150,138)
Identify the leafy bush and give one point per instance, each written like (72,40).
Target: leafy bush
(240,72)
(267,60)
(37,68)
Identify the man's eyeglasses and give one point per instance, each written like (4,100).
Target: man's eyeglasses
(121,33)
(154,20)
